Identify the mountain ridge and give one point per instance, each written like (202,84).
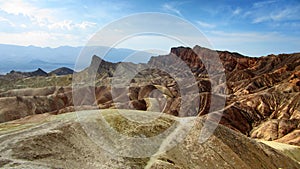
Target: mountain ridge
(23,57)
(261,94)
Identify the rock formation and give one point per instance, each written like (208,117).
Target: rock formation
(61,71)
(262,94)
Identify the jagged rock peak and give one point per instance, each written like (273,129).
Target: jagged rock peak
(38,72)
(62,71)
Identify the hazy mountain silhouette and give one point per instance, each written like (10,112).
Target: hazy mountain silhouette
(28,58)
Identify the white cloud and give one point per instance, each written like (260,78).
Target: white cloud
(41,38)
(42,17)
(17,7)
(248,36)
(37,15)
(45,23)
(25,38)
(171,8)
(65,24)
(237,11)
(260,19)
(263,3)
(69,25)
(289,13)
(205,25)
(2,19)
(85,24)
(268,11)
(23,26)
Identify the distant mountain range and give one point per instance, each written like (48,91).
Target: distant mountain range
(14,75)
(29,58)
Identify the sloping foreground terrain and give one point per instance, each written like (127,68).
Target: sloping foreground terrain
(60,141)
(289,150)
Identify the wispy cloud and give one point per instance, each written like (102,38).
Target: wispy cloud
(243,35)
(260,19)
(69,25)
(171,7)
(263,3)
(205,24)
(85,24)
(237,11)
(268,11)
(2,19)
(287,14)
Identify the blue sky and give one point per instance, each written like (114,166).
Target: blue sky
(250,27)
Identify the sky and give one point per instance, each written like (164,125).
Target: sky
(253,28)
